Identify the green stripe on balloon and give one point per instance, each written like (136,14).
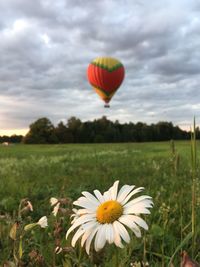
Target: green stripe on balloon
(103,91)
(106,67)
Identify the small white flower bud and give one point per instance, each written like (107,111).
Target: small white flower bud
(43,222)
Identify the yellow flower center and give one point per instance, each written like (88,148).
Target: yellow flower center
(109,211)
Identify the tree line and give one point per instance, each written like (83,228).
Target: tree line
(11,139)
(102,130)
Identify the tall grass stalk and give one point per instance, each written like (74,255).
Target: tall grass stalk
(194,172)
(144,250)
(180,246)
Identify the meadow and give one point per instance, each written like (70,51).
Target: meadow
(39,172)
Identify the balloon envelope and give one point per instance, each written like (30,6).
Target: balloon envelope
(105,74)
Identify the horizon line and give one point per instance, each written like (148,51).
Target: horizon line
(23,132)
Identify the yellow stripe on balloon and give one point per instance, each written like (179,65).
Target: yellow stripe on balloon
(107,62)
(104,96)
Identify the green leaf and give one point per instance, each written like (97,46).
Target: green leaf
(157,231)
(20,248)
(66,263)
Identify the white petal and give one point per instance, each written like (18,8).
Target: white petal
(90,224)
(85,203)
(139,221)
(107,196)
(139,208)
(85,236)
(136,231)
(74,210)
(89,240)
(53,201)
(117,238)
(43,222)
(81,220)
(113,190)
(135,200)
(137,190)
(73,220)
(99,196)
(124,191)
(91,198)
(125,219)
(82,211)
(123,232)
(55,209)
(78,234)
(109,233)
(83,200)
(100,239)
(88,232)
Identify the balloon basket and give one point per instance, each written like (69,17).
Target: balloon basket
(106,106)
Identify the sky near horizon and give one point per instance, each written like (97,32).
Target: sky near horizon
(46,47)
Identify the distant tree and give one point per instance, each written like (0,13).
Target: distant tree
(164,130)
(16,138)
(74,124)
(63,133)
(41,131)
(139,131)
(11,139)
(4,138)
(86,132)
(197,133)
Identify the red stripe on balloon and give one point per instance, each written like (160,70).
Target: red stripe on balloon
(108,81)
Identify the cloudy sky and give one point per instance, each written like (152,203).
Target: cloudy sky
(46,46)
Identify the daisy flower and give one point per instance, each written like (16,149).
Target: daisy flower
(103,217)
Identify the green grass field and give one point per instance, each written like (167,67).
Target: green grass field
(38,172)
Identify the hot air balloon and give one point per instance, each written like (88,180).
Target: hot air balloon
(105,74)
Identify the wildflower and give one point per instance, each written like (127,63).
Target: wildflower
(25,206)
(105,216)
(55,209)
(58,250)
(53,201)
(43,222)
(139,264)
(29,206)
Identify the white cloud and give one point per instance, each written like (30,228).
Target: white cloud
(45,38)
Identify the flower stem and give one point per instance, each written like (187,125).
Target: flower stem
(117,258)
(144,251)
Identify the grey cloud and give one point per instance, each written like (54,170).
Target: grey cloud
(173,65)
(43,64)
